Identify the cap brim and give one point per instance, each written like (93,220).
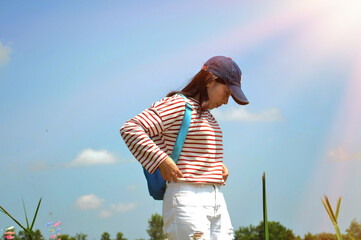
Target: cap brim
(238,95)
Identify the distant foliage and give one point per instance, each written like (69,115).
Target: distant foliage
(326,236)
(22,235)
(309,236)
(81,236)
(275,229)
(247,233)
(105,236)
(155,227)
(353,231)
(279,232)
(64,237)
(120,236)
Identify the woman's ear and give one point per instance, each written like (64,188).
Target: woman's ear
(211,83)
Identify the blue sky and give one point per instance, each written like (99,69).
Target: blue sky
(71,73)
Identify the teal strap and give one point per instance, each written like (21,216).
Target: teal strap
(182,131)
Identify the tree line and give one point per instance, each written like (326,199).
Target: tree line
(276,232)
(279,232)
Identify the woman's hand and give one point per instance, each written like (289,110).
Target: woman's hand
(169,170)
(225,172)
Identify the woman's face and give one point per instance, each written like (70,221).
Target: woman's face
(218,94)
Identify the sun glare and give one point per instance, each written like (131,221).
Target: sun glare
(346,19)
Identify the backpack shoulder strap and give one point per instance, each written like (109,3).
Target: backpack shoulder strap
(183,131)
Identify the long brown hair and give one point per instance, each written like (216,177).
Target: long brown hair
(198,87)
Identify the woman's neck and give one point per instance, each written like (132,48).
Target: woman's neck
(196,97)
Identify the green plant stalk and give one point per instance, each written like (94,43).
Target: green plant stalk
(26,217)
(28,230)
(338,234)
(328,211)
(333,218)
(9,215)
(265,221)
(338,207)
(36,214)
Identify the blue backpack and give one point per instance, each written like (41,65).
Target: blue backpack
(156,183)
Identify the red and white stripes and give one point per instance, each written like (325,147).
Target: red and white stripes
(202,153)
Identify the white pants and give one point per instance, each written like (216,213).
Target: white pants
(195,211)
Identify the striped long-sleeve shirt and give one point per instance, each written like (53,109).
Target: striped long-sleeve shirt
(202,153)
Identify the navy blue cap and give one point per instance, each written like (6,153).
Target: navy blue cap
(227,70)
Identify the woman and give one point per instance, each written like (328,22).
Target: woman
(193,205)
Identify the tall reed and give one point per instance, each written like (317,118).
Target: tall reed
(265,221)
(332,216)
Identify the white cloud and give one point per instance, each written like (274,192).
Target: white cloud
(340,154)
(241,115)
(43,165)
(38,166)
(93,202)
(105,214)
(132,187)
(88,202)
(90,157)
(121,207)
(116,209)
(87,157)
(4,54)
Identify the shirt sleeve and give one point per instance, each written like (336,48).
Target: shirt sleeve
(137,132)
